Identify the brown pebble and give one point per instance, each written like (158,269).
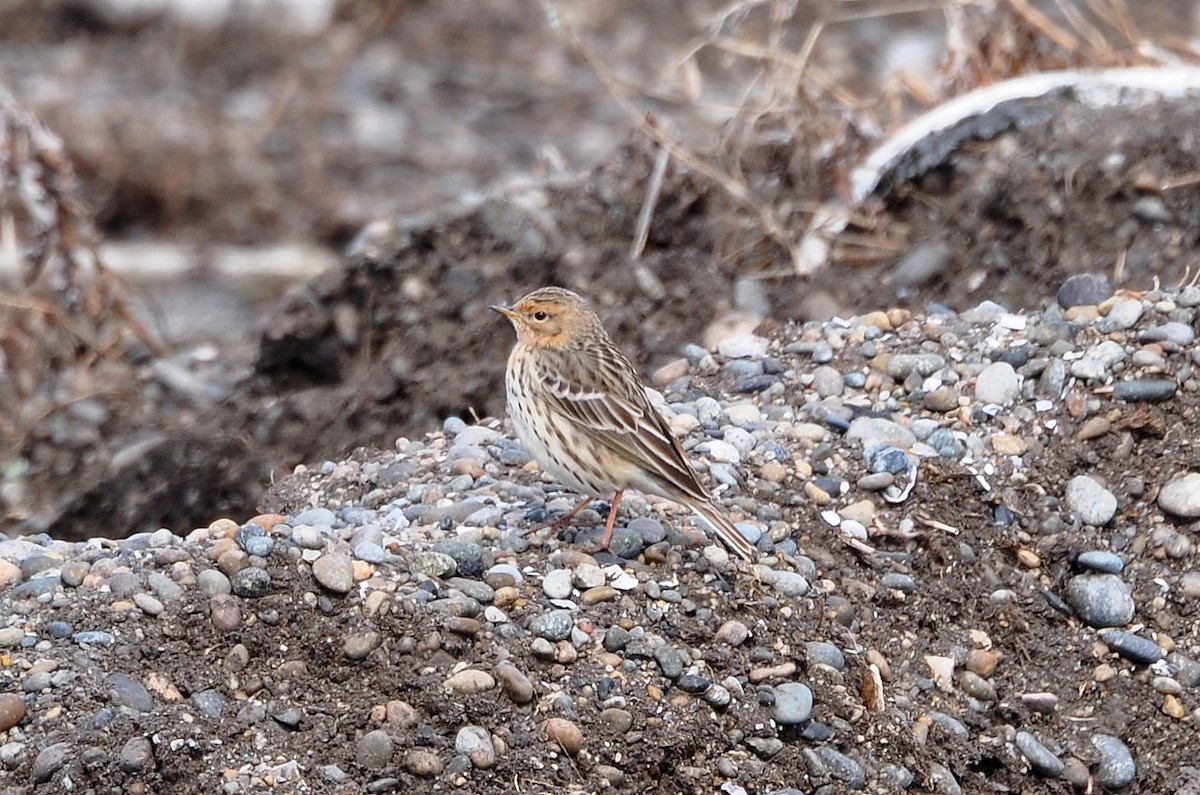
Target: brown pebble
(1008,444)
(781,671)
(876,658)
(773,471)
(1095,426)
(514,683)
(232,561)
(565,653)
(1173,707)
(402,714)
(816,494)
(225,612)
(601,593)
(1028,558)
(563,733)
(12,710)
(223,527)
(466,466)
(505,596)
(460,625)
(1104,673)
(671,371)
(982,661)
(267,521)
(422,762)
(1076,773)
(1043,702)
(471,681)
(942,399)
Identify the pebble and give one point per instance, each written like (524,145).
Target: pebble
(470,681)
(1041,759)
(423,763)
(1180,496)
(1094,504)
(374,750)
(516,685)
(475,742)
(1100,560)
(1133,647)
(788,583)
(1083,289)
(1144,390)
(12,710)
(251,583)
(997,383)
(793,703)
(136,755)
(49,761)
(565,734)
(334,571)
(553,625)
(557,584)
(1100,600)
(1116,768)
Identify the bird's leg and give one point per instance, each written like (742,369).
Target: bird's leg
(566,518)
(612,517)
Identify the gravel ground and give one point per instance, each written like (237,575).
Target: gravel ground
(977,575)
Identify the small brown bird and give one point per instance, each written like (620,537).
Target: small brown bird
(581,411)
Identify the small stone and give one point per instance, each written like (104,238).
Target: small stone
(1041,759)
(475,742)
(136,755)
(788,583)
(1133,647)
(1116,769)
(251,583)
(12,710)
(1181,496)
(335,572)
(423,763)
(1100,600)
(793,703)
(516,685)
(1083,289)
(49,761)
(360,644)
(374,750)
(125,691)
(997,383)
(1099,560)
(563,733)
(554,625)
(617,720)
(1144,390)
(225,613)
(1094,504)
(819,652)
(470,681)
(557,584)
(732,633)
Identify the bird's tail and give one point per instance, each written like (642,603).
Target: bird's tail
(730,536)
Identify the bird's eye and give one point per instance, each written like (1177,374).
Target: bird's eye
(540,315)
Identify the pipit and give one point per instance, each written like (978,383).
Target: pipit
(580,409)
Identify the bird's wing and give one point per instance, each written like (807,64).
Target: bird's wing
(601,393)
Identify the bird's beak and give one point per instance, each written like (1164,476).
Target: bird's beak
(504,310)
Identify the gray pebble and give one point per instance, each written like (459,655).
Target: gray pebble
(1100,560)
(819,652)
(1178,334)
(557,584)
(1144,390)
(554,625)
(1181,496)
(314,516)
(625,543)
(669,660)
(1083,289)
(125,691)
(475,742)
(333,571)
(788,583)
(209,702)
(36,682)
(793,703)
(360,644)
(997,383)
(12,636)
(898,582)
(1116,768)
(616,638)
(212,582)
(136,755)
(468,557)
(308,537)
(1124,314)
(842,767)
(251,583)
(1041,759)
(49,761)
(1133,647)
(148,604)
(1090,501)
(164,587)
(902,365)
(374,750)
(370,552)
(1100,600)
(95,637)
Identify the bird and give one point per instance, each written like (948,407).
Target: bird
(581,411)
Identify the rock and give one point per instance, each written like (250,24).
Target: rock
(565,734)
(12,710)
(136,755)
(1094,504)
(335,572)
(374,750)
(793,703)
(475,742)
(1116,769)
(1041,759)
(1083,289)
(1100,600)
(1180,496)
(997,383)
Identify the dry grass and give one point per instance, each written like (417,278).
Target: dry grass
(804,116)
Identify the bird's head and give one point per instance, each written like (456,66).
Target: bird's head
(550,317)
